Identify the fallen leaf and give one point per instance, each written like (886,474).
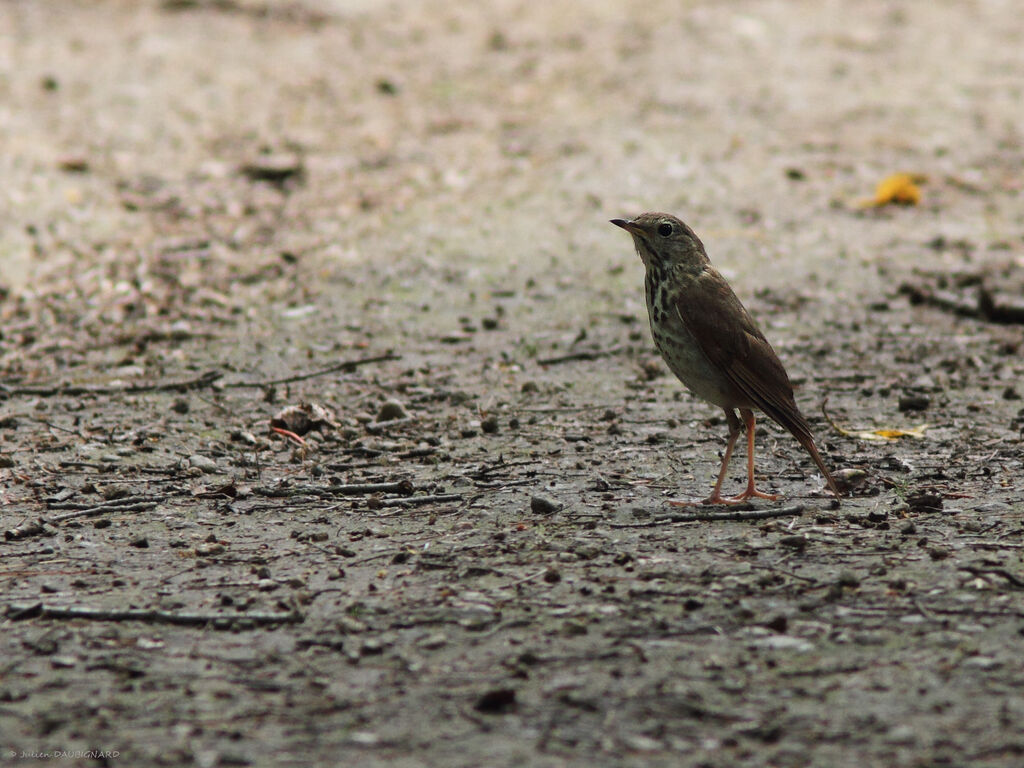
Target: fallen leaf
(882,434)
(897,189)
(873,434)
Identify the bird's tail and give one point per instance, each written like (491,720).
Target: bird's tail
(808,443)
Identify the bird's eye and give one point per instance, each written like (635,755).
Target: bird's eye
(665,230)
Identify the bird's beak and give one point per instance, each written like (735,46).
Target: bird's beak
(626,225)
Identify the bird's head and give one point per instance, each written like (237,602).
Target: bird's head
(663,240)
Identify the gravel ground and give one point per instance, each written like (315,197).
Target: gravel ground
(381,229)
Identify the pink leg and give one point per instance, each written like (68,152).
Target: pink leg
(751,492)
(716,495)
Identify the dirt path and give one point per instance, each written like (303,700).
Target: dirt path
(209,208)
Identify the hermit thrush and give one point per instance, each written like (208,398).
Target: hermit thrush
(711,343)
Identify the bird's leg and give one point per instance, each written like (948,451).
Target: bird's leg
(750,492)
(716,495)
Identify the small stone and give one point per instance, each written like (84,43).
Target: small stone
(574,628)
(202,463)
(938,553)
(181,405)
(848,578)
(73,164)
(795,541)
(436,640)
(541,506)
(924,502)
(242,436)
(498,701)
(849,479)
(275,169)
(530,387)
(489,425)
(912,401)
(552,576)
(140,542)
(113,491)
(391,410)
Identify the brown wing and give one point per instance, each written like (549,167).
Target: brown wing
(731,340)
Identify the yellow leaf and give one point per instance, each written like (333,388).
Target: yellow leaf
(898,189)
(882,434)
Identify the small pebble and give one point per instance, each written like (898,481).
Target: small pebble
(391,410)
(794,541)
(848,578)
(202,463)
(541,506)
(914,402)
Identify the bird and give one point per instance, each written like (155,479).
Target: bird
(712,344)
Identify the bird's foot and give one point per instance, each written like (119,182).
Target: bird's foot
(714,498)
(752,493)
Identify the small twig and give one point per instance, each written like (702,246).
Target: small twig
(922,610)
(24,531)
(199,382)
(415,501)
(717,517)
(828,417)
(524,580)
(347,366)
(59,428)
(378,427)
(403,487)
(216,621)
(596,354)
(142,506)
(124,501)
(791,574)
(204,380)
(1015,580)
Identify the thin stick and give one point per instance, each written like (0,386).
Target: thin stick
(414,501)
(1014,580)
(142,506)
(216,620)
(717,517)
(348,366)
(596,354)
(403,487)
(199,382)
